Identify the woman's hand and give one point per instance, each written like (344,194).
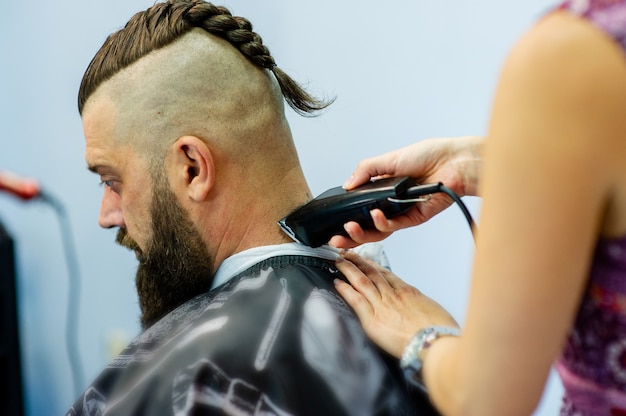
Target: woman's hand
(455,162)
(390,310)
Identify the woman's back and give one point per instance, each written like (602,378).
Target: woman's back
(593,363)
(549,275)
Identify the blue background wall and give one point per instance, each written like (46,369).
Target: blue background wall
(401,70)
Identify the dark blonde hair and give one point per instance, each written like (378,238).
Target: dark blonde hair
(164,23)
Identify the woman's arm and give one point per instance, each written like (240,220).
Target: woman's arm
(549,174)
(553,161)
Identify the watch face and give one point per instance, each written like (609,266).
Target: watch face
(422,340)
(429,335)
(411,362)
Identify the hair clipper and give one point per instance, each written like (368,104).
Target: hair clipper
(314,223)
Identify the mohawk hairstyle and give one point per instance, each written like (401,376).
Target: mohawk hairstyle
(164,23)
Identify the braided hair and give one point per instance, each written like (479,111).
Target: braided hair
(164,23)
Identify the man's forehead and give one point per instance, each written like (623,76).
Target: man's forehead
(102,146)
(99,111)
(111,159)
(101,159)
(99,125)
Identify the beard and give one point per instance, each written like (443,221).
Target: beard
(176,265)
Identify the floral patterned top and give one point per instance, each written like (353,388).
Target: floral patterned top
(593,364)
(608,15)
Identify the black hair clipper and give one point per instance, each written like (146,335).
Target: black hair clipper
(314,223)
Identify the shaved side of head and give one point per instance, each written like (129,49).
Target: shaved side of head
(200,86)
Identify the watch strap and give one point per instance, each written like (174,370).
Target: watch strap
(411,361)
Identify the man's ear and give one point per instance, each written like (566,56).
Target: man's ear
(193,167)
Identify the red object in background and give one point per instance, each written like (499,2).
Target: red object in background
(21,187)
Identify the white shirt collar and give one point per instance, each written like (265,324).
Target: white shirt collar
(239,262)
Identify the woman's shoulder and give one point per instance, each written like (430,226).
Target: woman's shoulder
(568,59)
(607,15)
(569,70)
(572,38)
(563,91)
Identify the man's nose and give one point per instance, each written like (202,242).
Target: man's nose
(110,210)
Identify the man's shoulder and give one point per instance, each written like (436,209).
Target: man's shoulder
(247,298)
(276,337)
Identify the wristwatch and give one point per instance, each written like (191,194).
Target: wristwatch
(411,361)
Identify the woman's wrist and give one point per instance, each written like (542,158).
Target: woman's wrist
(412,360)
(470,164)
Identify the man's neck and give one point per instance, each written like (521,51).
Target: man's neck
(255,223)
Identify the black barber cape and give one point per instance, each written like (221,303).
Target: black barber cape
(274,340)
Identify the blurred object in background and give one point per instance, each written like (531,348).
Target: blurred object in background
(11,398)
(29,189)
(23,188)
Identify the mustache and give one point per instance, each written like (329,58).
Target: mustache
(124,240)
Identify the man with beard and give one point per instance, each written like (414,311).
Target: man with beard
(184,123)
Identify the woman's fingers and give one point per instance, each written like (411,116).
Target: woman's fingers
(358,278)
(362,307)
(369,272)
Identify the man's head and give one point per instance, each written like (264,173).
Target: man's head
(184,123)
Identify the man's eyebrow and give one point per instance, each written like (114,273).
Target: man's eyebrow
(97,169)
(93,168)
